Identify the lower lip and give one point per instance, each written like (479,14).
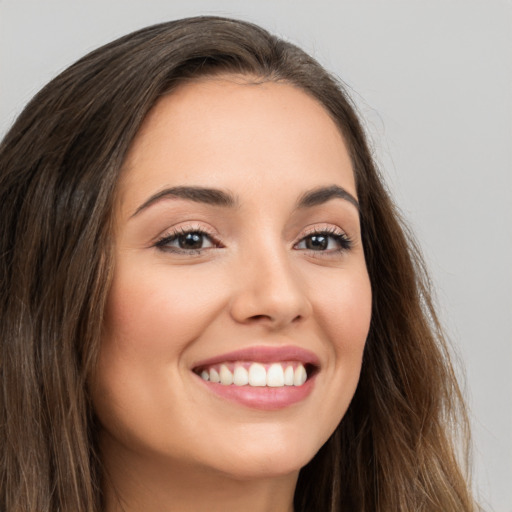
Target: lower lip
(264,398)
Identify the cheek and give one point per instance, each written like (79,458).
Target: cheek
(344,312)
(159,312)
(152,316)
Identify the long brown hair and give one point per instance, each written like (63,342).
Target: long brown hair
(59,165)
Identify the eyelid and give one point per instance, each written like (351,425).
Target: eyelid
(322,229)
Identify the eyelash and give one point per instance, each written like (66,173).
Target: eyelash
(341,239)
(163,243)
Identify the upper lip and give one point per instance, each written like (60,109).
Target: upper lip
(264,354)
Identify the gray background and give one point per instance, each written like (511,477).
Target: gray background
(433,79)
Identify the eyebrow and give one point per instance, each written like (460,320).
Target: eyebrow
(211,196)
(321,195)
(217,197)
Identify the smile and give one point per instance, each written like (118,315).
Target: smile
(255,374)
(266,378)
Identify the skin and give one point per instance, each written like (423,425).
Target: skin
(164,434)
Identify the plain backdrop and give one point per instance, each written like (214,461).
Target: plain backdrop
(433,81)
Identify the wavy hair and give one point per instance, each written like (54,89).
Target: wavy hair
(59,165)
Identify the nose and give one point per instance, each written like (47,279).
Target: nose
(270,291)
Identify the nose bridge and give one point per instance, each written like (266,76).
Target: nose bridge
(269,288)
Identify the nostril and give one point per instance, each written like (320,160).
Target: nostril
(273,319)
(260,317)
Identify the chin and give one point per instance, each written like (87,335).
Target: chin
(266,468)
(267,459)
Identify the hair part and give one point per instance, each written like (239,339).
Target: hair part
(59,168)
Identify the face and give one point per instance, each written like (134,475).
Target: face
(238,257)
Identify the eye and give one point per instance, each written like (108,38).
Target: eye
(325,241)
(186,241)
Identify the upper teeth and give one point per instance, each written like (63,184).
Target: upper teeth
(257,374)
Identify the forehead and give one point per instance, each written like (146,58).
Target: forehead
(220,130)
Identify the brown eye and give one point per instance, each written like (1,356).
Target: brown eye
(325,242)
(191,241)
(184,241)
(317,242)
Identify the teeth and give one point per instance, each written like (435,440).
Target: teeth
(275,376)
(288,376)
(299,376)
(226,377)
(241,376)
(257,375)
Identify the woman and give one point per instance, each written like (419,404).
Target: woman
(208,298)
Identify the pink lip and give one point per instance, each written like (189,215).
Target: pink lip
(264,354)
(263,398)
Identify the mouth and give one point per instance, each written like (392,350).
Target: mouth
(257,374)
(261,377)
